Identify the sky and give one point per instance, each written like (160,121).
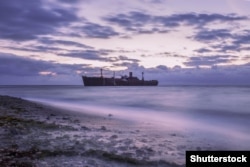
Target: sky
(177,42)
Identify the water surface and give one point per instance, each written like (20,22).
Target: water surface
(213,112)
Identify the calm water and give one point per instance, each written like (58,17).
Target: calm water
(223,110)
(212,100)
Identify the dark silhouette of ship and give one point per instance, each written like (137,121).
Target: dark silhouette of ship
(123,81)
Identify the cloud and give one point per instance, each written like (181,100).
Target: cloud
(69,1)
(100,55)
(20,70)
(198,19)
(35,48)
(197,61)
(88,54)
(125,58)
(15,65)
(49,41)
(229,48)
(226,40)
(162,67)
(206,35)
(138,21)
(53,26)
(243,38)
(222,75)
(29,19)
(49,45)
(94,30)
(203,50)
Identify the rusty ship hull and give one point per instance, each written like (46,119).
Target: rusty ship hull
(123,81)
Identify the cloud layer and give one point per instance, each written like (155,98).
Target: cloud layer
(66,38)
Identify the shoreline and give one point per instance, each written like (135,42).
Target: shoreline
(34,134)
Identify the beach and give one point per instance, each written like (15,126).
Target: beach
(54,126)
(33,134)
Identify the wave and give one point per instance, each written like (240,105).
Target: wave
(233,125)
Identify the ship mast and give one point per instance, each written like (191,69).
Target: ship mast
(101,73)
(114,78)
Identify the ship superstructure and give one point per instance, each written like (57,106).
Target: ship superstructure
(123,81)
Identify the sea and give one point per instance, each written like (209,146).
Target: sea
(217,112)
